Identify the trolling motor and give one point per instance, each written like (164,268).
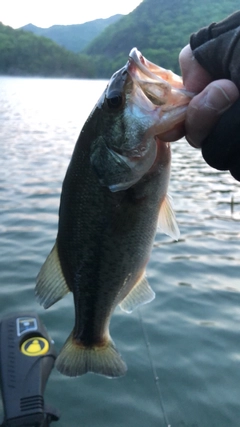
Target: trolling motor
(27,356)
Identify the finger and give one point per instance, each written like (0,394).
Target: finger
(174,134)
(195,77)
(205,109)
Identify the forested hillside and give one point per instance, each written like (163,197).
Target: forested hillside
(73,37)
(159,29)
(23,53)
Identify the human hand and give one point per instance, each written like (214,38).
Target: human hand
(211,69)
(213,116)
(213,98)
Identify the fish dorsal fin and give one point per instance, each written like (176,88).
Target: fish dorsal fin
(141,293)
(51,285)
(167,220)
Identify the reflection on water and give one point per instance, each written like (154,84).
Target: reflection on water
(183,349)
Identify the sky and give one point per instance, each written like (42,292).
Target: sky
(44,13)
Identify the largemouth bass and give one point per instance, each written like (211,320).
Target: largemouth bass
(113,197)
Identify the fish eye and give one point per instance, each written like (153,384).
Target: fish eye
(114,102)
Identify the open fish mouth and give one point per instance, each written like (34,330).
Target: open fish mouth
(161,86)
(139,67)
(157,92)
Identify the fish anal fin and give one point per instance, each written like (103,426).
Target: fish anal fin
(75,359)
(51,285)
(140,294)
(167,220)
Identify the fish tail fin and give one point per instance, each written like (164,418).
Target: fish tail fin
(51,284)
(77,359)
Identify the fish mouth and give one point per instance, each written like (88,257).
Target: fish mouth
(146,74)
(163,88)
(141,68)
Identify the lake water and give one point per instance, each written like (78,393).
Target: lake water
(183,349)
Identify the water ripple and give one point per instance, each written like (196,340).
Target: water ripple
(193,325)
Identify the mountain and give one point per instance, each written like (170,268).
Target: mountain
(158,28)
(73,37)
(23,53)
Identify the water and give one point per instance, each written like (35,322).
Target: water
(183,349)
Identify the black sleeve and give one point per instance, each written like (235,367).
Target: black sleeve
(221,149)
(217,49)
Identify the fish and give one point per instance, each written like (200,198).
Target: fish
(114,196)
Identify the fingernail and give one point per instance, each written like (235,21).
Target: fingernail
(216,99)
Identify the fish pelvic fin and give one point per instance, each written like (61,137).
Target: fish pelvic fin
(51,285)
(141,293)
(75,359)
(167,220)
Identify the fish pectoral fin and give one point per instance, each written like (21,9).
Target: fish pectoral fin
(167,220)
(76,359)
(141,293)
(51,285)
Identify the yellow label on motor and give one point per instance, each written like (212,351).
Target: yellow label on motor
(35,346)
